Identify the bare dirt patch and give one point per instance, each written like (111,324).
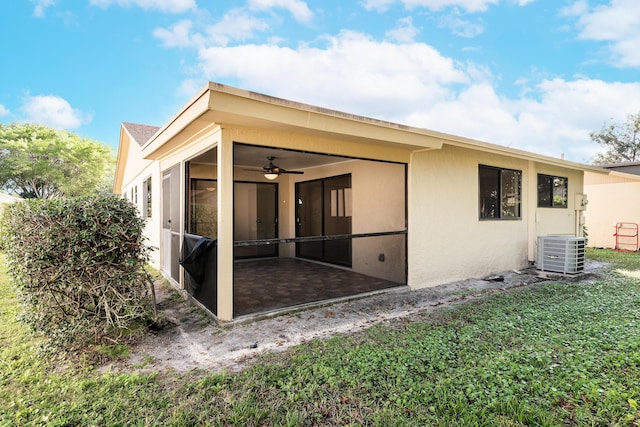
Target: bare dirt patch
(193,340)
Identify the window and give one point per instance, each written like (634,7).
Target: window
(499,192)
(146,189)
(134,194)
(203,208)
(341,202)
(552,191)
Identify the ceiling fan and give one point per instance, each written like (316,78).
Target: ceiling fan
(272,171)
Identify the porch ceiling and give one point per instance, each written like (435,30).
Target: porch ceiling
(256,157)
(251,156)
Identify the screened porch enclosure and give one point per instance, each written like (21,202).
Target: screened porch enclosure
(330,227)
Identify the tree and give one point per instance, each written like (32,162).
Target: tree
(622,141)
(40,162)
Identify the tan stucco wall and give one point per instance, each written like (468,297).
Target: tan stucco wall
(447,240)
(152,225)
(558,221)
(611,200)
(136,165)
(137,171)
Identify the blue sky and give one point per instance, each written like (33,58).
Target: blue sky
(538,75)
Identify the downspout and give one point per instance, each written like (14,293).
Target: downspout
(580,205)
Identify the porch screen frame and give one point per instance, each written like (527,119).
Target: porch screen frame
(190,208)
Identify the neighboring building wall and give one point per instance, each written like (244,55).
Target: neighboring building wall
(632,168)
(612,199)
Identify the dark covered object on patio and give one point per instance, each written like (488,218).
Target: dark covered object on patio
(199,259)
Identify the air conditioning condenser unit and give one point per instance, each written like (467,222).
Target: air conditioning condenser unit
(561,254)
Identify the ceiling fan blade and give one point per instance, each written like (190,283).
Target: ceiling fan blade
(277,170)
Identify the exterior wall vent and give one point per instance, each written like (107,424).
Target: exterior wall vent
(561,254)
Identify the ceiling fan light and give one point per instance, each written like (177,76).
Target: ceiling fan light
(271,176)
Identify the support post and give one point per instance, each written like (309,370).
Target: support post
(531,203)
(225,228)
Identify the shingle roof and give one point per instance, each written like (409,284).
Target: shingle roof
(140,133)
(620,165)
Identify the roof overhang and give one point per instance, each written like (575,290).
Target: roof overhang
(521,154)
(219,105)
(225,105)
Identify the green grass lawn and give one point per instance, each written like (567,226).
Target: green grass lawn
(552,354)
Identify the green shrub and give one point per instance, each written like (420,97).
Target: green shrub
(78,267)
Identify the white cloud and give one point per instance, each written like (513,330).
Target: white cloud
(299,9)
(169,6)
(190,87)
(53,111)
(617,23)
(352,73)
(404,32)
(566,111)
(377,5)
(410,82)
(178,35)
(555,118)
(468,5)
(4,111)
(236,25)
(612,22)
(40,6)
(414,84)
(575,9)
(460,27)
(476,112)
(627,52)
